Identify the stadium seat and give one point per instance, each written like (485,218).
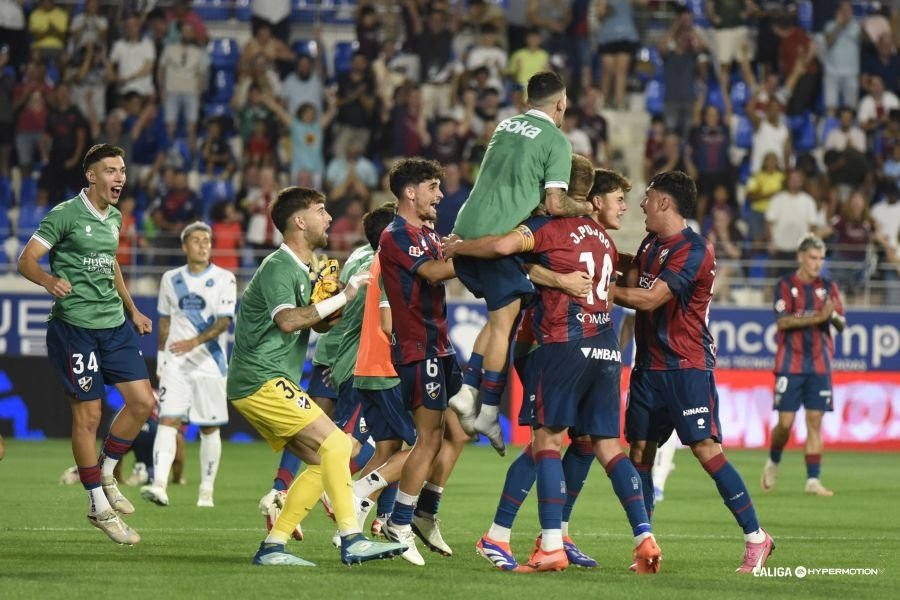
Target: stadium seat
(214,191)
(650,65)
(655,92)
(744,170)
(803,131)
(698,10)
(217,109)
(27,191)
(221,88)
(805,14)
(306,11)
(743,136)
(715,98)
(180,149)
(305,48)
(224,53)
(6,193)
(243,11)
(343,56)
(740,95)
(829,124)
(212,10)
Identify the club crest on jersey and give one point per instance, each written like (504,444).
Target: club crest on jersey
(85,383)
(820,293)
(363,427)
(87,231)
(415,251)
(794,292)
(210,282)
(663,255)
(432,388)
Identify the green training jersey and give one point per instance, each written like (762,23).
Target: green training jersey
(327,344)
(348,329)
(83,245)
(527,154)
(263,352)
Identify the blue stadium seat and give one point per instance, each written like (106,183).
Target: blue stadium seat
(715,97)
(214,191)
(740,95)
(744,170)
(181,149)
(803,131)
(224,53)
(212,10)
(309,11)
(5,226)
(743,136)
(650,55)
(27,191)
(655,92)
(6,194)
(305,48)
(243,11)
(343,56)
(217,109)
(805,14)
(828,124)
(698,9)
(221,87)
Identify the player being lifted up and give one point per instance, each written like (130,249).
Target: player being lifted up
(271,336)
(89,340)
(196,307)
(528,159)
(673,385)
(806,306)
(571,381)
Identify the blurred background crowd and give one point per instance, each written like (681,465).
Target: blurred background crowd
(785,113)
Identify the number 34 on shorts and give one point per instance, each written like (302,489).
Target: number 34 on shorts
(293,392)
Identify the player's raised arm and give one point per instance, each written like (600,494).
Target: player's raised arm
(289,319)
(490,246)
(559,204)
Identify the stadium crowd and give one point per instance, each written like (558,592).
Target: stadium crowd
(785,113)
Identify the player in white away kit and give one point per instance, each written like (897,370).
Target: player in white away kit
(196,307)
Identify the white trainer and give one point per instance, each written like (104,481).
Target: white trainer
(769,475)
(428,530)
(488,425)
(139,475)
(814,487)
(403,534)
(155,494)
(119,502)
(109,523)
(205,498)
(464,403)
(70,476)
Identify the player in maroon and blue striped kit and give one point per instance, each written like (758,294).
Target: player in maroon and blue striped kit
(413,272)
(806,305)
(672,385)
(571,381)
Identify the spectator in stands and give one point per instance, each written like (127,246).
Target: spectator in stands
(181,13)
(391,70)
(408,130)
(528,60)
(304,85)
(455,191)
(471,16)
(307,129)
(264,44)
(486,111)
(728,241)
(890,170)
(274,13)
(347,230)
(130,239)
(885,139)
(853,231)
(770,134)
(262,76)
(260,147)
(475,150)
(884,62)
(571,127)
(760,92)
(433,43)
(227,236)
(886,216)
(48,25)
(761,186)
(63,147)
(149,141)
(351,174)
(31,122)
(798,63)
(680,49)
(653,148)
(674,157)
(580,46)
(87,74)
(875,109)
(216,152)
(182,79)
(729,17)
(709,142)
(13,33)
(790,216)
(842,52)
(7,116)
(131,62)
(262,235)
(488,54)
(114,133)
(617,41)
(357,105)
(170,214)
(31,214)
(847,134)
(517,24)
(552,18)
(773,19)
(256,109)
(89,27)
(368,29)
(449,141)
(158,34)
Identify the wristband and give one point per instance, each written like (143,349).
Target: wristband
(331,305)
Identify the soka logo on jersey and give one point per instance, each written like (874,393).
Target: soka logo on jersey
(523,128)
(602,354)
(85,383)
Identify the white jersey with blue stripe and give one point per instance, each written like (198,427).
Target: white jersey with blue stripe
(193,302)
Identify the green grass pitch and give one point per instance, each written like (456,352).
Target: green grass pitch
(50,551)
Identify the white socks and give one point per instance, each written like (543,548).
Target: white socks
(757,537)
(98,501)
(368,485)
(498,533)
(210,454)
(551,539)
(164,454)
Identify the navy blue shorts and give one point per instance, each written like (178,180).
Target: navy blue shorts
(348,413)
(576,384)
(430,382)
(318,388)
(386,415)
(812,391)
(88,359)
(498,280)
(685,400)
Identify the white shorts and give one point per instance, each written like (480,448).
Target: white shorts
(197,399)
(729,43)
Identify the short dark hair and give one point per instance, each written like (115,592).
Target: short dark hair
(543,86)
(606,181)
(580,176)
(289,201)
(375,221)
(680,187)
(100,151)
(413,171)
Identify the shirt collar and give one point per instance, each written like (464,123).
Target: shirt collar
(290,252)
(93,210)
(539,114)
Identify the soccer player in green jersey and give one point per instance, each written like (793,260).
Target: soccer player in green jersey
(527,162)
(89,341)
(270,342)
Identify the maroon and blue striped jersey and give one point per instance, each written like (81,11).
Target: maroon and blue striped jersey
(805,349)
(676,335)
(418,308)
(564,245)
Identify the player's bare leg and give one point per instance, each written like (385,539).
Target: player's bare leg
(813,451)
(384,468)
(781,433)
